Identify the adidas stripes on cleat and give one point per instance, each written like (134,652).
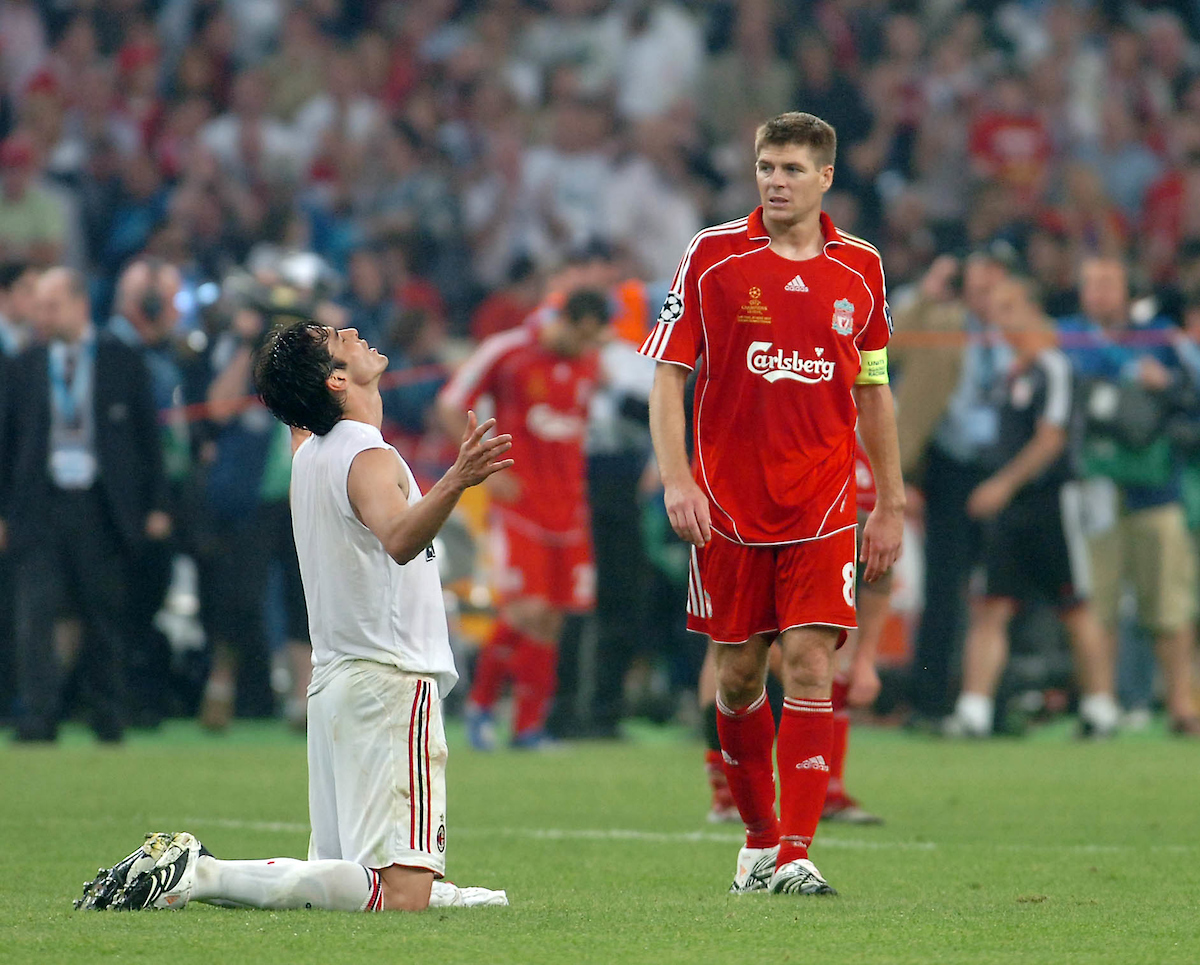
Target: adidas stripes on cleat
(754,869)
(799,877)
(99,893)
(168,884)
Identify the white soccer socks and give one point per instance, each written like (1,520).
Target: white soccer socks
(283,883)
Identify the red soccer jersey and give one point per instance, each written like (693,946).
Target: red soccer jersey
(779,346)
(542,399)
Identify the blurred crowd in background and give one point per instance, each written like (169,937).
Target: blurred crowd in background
(429,171)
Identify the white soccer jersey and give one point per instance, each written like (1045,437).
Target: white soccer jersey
(362,604)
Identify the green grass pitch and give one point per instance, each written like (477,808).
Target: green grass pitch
(1044,850)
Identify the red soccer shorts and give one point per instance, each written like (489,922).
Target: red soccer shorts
(736,591)
(531,562)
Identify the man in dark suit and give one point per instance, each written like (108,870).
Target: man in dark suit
(82,486)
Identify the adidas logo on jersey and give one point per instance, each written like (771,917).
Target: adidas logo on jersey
(813,764)
(796,285)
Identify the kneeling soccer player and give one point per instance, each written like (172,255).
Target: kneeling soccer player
(381,658)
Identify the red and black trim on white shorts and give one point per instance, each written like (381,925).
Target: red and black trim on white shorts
(420,783)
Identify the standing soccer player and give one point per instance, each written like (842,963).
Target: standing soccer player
(786,318)
(541,378)
(381,657)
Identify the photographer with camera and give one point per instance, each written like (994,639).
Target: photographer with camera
(1136,388)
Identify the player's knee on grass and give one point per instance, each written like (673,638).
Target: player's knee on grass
(406,889)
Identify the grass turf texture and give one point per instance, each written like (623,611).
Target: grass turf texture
(1036,851)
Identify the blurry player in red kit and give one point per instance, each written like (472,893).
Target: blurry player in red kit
(541,377)
(786,320)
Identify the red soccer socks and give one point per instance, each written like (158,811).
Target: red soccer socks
(805,749)
(841,733)
(747,739)
(535,678)
(493,666)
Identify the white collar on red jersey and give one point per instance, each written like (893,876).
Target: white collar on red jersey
(757,231)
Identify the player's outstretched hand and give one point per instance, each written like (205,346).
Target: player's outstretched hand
(478,457)
(687,508)
(882,537)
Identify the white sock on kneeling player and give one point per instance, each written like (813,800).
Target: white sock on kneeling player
(443,894)
(283,883)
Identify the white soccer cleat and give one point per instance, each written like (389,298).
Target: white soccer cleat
(754,869)
(799,877)
(169,883)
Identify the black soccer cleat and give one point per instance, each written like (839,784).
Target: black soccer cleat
(98,894)
(168,884)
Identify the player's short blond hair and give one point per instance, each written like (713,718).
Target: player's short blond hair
(797,127)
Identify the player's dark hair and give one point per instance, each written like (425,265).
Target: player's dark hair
(587,303)
(797,127)
(290,369)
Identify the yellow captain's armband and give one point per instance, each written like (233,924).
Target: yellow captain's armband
(874,368)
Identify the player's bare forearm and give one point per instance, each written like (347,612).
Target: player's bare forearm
(884,529)
(668,422)
(686,503)
(377,487)
(1047,444)
(414,528)
(998,490)
(877,427)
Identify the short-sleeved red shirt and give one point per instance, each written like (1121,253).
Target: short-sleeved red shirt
(542,399)
(779,346)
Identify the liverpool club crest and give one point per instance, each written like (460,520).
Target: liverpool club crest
(843,317)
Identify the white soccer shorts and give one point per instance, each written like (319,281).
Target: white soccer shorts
(377,769)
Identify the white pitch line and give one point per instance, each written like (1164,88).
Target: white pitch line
(566,834)
(670,837)
(695,837)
